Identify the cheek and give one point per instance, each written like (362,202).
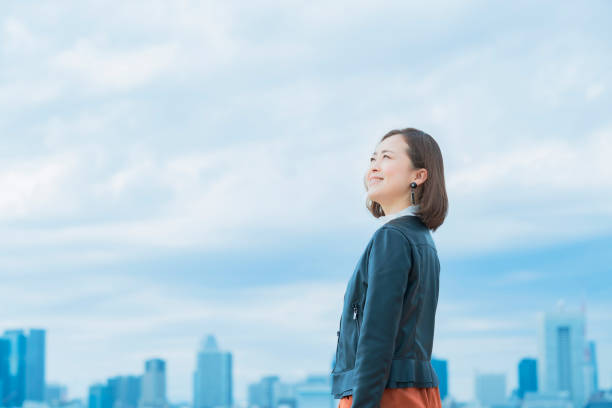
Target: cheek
(391,170)
(395,174)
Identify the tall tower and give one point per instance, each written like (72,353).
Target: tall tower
(5,353)
(153,392)
(35,366)
(590,370)
(99,396)
(15,392)
(441,368)
(212,379)
(561,354)
(527,376)
(125,390)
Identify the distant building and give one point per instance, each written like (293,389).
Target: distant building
(527,376)
(560,399)
(153,385)
(125,391)
(314,392)
(600,399)
(265,393)
(5,382)
(35,404)
(22,367)
(561,355)
(441,368)
(591,385)
(490,389)
(35,366)
(99,396)
(56,394)
(14,377)
(286,395)
(212,379)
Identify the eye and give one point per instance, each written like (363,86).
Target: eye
(385,155)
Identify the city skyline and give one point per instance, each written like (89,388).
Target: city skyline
(548,373)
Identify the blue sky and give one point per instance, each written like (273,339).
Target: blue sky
(173,169)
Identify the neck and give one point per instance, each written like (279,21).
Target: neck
(395,208)
(410,210)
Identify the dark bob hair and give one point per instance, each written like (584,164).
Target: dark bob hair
(431,196)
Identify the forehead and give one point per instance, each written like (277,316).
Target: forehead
(395,143)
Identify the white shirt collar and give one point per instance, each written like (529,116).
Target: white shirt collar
(410,210)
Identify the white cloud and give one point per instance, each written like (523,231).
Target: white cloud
(17,37)
(34,188)
(518,277)
(25,94)
(113,69)
(594,91)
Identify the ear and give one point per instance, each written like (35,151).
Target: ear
(422,175)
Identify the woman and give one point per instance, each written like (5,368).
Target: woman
(385,338)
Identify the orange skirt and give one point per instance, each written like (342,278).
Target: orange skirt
(407,397)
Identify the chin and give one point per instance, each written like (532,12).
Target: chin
(375,196)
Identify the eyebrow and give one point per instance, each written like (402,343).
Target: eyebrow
(382,151)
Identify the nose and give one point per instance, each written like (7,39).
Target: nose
(374,165)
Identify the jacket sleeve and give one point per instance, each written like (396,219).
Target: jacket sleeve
(389,264)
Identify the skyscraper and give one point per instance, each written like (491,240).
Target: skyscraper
(441,369)
(561,354)
(590,370)
(125,391)
(212,379)
(153,391)
(99,396)
(527,376)
(35,366)
(5,349)
(593,361)
(16,378)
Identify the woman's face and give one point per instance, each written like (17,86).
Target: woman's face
(390,173)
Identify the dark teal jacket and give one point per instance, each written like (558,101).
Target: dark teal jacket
(386,329)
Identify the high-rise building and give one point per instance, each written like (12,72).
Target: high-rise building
(16,378)
(561,359)
(441,369)
(153,386)
(125,391)
(35,366)
(527,376)
(99,396)
(490,389)
(5,353)
(591,385)
(212,379)
(264,394)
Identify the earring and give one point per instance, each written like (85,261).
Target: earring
(412,187)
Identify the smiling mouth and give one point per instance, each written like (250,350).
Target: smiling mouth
(375,180)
